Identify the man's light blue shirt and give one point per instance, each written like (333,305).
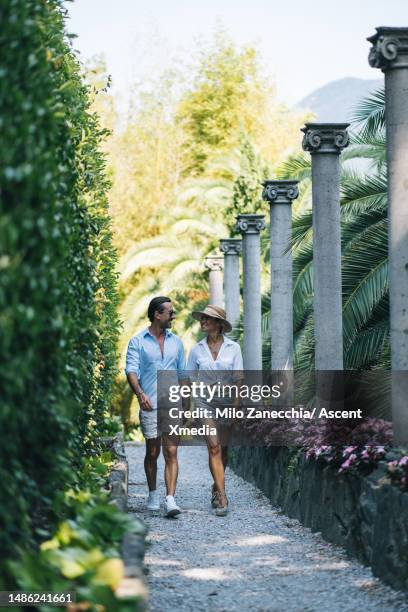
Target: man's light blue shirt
(144,358)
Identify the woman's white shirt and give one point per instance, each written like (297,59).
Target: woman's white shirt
(229,357)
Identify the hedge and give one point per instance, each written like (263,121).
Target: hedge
(58,299)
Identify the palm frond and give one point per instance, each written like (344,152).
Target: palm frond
(297,166)
(303,254)
(205,191)
(363,299)
(151,258)
(373,154)
(367,245)
(367,346)
(369,115)
(195,226)
(302,229)
(363,193)
(304,346)
(184,269)
(377,140)
(304,201)
(301,311)
(303,285)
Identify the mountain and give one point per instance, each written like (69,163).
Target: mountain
(337,100)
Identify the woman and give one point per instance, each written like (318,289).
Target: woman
(213,354)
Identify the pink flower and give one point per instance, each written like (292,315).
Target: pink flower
(348,463)
(365,454)
(403,461)
(392,465)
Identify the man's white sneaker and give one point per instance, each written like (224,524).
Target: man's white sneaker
(153,502)
(171,509)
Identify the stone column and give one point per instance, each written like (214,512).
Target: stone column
(250,226)
(280,195)
(214,264)
(325,141)
(232,248)
(390,53)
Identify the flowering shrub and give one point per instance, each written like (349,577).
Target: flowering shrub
(310,434)
(367,447)
(398,471)
(363,458)
(347,446)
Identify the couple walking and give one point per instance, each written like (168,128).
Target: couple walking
(157,348)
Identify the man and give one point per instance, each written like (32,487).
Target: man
(155,348)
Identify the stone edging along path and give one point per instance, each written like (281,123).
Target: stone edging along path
(365,515)
(133,545)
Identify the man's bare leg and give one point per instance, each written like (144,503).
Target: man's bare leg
(171,467)
(150,462)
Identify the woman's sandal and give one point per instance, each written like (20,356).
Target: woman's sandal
(221,503)
(213,496)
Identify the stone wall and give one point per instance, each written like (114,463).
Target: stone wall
(133,545)
(365,515)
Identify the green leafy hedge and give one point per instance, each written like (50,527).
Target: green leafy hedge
(58,321)
(83,554)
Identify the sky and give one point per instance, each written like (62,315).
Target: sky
(304,44)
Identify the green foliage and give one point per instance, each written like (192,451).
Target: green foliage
(217,108)
(174,165)
(247,187)
(83,554)
(57,290)
(370,115)
(364,252)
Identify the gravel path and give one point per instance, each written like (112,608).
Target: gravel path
(253,559)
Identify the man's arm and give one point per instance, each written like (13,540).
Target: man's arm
(144,400)
(133,372)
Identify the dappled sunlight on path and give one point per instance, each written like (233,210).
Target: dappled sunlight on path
(253,559)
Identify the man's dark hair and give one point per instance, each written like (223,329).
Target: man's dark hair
(156,304)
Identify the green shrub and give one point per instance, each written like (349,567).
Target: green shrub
(58,296)
(83,554)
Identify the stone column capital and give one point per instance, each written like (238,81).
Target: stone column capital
(214,263)
(390,48)
(250,224)
(325,137)
(231,246)
(280,192)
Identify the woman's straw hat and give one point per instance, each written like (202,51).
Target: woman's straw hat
(216,312)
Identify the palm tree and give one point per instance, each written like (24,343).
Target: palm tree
(167,263)
(173,260)
(364,250)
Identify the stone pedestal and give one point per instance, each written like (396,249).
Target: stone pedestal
(250,227)
(232,249)
(325,141)
(390,53)
(280,195)
(214,264)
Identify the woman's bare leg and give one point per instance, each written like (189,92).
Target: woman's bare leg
(224,452)
(216,464)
